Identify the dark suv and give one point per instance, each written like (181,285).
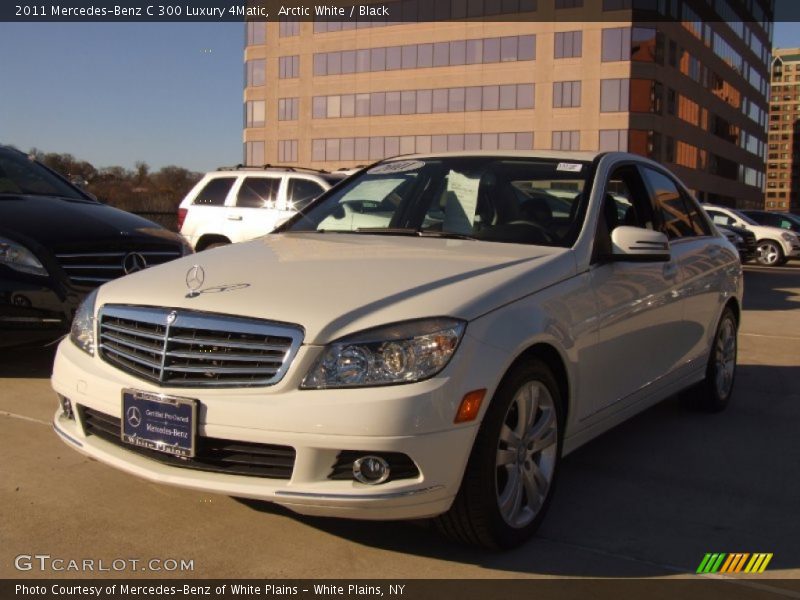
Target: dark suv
(57,243)
(783,220)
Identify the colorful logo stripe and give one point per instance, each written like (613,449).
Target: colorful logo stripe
(734,563)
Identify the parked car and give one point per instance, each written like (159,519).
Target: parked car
(744,240)
(783,220)
(57,243)
(233,204)
(775,246)
(427,339)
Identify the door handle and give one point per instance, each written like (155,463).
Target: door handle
(234,217)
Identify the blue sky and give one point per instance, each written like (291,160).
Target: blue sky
(118,93)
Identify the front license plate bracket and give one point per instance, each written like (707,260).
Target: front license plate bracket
(158,422)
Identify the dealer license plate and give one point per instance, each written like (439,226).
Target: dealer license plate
(163,423)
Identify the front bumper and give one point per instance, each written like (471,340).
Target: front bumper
(415,420)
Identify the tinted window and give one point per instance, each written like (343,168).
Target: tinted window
(303,191)
(256,192)
(20,175)
(676,222)
(765,219)
(785,223)
(215,191)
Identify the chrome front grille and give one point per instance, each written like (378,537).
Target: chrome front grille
(180,348)
(91,269)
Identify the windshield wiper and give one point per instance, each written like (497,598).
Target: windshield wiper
(410,231)
(450,235)
(388,230)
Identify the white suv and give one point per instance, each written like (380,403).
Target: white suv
(775,245)
(233,204)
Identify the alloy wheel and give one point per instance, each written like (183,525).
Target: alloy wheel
(768,253)
(526,454)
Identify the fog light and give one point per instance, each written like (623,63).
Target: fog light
(66,407)
(371,470)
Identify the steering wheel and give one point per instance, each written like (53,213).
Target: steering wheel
(544,233)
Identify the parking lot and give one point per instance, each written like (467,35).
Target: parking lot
(647,499)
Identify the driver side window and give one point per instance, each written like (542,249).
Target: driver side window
(625,202)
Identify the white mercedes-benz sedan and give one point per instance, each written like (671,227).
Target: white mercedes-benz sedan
(427,339)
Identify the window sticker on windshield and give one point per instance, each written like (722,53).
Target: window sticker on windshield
(375,190)
(571,167)
(461,203)
(396,166)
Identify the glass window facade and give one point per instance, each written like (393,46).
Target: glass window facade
(421,56)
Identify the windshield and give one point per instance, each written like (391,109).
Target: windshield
(512,200)
(21,175)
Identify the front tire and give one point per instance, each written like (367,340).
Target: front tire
(770,253)
(713,394)
(511,473)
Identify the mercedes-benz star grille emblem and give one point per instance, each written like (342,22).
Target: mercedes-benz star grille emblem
(133,262)
(134,416)
(194,279)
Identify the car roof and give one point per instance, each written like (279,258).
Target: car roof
(551,154)
(271,170)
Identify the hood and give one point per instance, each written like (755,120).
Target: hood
(336,284)
(59,222)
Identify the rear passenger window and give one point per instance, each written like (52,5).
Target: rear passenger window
(258,192)
(676,221)
(214,192)
(302,192)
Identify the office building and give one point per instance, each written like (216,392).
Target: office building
(783,153)
(689,90)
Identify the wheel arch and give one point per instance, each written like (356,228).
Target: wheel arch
(553,359)
(733,304)
(210,238)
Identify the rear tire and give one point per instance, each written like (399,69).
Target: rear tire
(511,473)
(713,394)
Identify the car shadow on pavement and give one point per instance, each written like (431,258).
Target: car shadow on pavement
(774,289)
(650,497)
(33,362)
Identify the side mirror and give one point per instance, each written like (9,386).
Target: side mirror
(639,244)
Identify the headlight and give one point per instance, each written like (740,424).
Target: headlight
(399,353)
(82,332)
(19,258)
(789,237)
